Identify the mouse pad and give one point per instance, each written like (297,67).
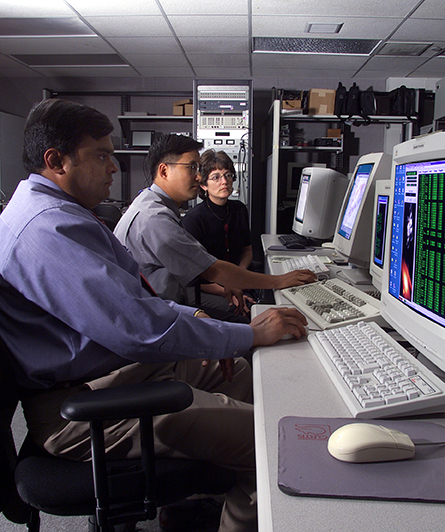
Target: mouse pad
(306,468)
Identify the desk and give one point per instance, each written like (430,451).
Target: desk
(289,380)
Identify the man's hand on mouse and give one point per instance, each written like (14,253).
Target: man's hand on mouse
(272,324)
(295,278)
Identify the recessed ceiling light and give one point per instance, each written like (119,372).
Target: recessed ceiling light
(311,45)
(410,49)
(318,27)
(71,60)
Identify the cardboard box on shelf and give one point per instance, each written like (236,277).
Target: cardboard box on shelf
(188,109)
(334,133)
(321,102)
(291,104)
(179,106)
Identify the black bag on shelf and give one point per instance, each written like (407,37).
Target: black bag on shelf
(340,100)
(353,101)
(403,101)
(367,104)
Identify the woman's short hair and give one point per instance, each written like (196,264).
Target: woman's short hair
(214,160)
(62,125)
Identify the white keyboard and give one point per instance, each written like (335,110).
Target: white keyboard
(332,303)
(306,262)
(375,376)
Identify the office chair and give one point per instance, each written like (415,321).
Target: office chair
(110,492)
(109,213)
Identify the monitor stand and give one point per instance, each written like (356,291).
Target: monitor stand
(357,275)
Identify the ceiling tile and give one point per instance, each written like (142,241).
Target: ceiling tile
(433,68)
(137,45)
(96,72)
(222,60)
(306,61)
(27,9)
(115,7)
(209,7)
(224,25)
(353,28)
(223,73)
(63,45)
(157,60)
(170,72)
(133,26)
(216,44)
(433,9)
(337,8)
(43,26)
(414,30)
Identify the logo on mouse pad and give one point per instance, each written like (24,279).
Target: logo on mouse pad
(313,432)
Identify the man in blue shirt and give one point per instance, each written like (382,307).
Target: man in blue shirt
(74,314)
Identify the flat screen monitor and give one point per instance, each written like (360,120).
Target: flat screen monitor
(379,232)
(413,292)
(320,197)
(352,238)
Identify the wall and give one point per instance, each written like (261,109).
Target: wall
(11,142)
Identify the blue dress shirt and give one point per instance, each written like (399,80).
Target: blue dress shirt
(71,302)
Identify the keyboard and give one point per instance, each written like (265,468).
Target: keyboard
(306,262)
(332,303)
(375,376)
(292,238)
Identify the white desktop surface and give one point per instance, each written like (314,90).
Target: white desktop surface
(290,381)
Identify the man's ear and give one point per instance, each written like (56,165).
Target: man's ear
(54,161)
(162,170)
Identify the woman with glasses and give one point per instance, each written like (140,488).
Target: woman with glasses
(219,223)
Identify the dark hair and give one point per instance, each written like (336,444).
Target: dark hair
(214,160)
(62,125)
(167,148)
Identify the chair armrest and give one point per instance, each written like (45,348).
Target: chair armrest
(126,402)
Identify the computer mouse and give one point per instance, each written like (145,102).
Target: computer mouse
(365,442)
(295,245)
(289,336)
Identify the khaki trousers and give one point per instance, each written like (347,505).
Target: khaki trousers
(217,427)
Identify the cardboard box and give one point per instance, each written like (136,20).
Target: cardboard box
(180,105)
(321,102)
(291,104)
(334,133)
(188,109)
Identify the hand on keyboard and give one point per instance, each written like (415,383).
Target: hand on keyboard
(272,324)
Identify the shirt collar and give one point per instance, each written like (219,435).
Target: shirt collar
(42,180)
(166,198)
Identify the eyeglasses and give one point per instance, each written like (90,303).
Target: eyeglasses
(193,167)
(217,178)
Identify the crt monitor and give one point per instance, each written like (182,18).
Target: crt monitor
(379,232)
(294,171)
(320,197)
(352,238)
(142,139)
(413,293)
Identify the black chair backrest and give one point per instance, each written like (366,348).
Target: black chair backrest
(10,503)
(109,213)
(8,404)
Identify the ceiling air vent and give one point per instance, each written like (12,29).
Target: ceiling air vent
(305,45)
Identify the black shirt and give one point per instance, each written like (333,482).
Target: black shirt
(223,230)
